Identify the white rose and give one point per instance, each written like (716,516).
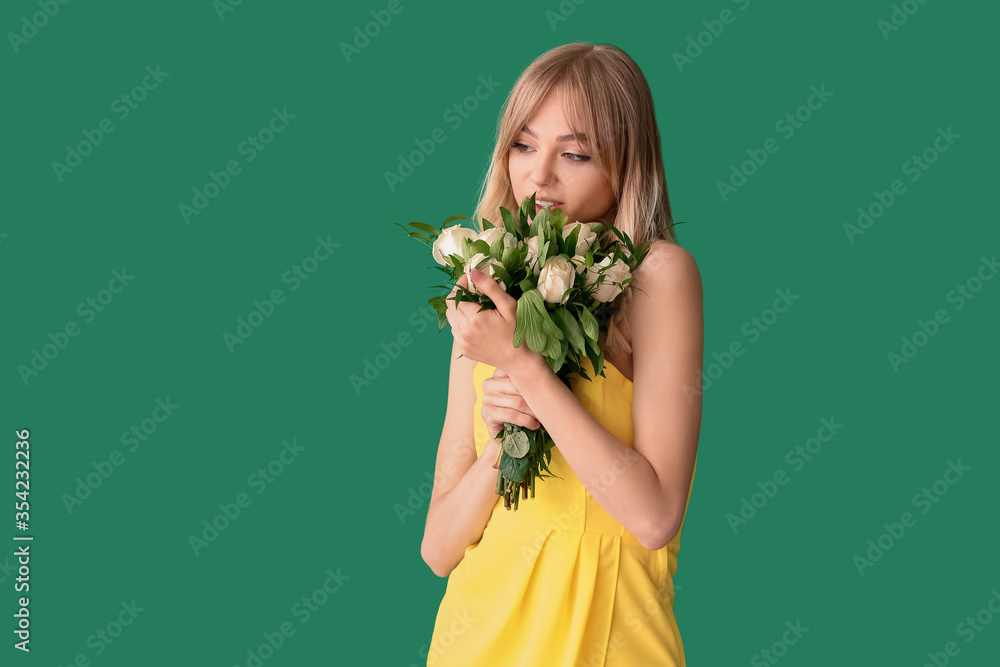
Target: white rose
(616,273)
(532,257)
(556,277)
(449,242)
(585,239)
(487,269)
(579,263)
(493,233)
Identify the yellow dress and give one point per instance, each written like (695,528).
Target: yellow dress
(559,582)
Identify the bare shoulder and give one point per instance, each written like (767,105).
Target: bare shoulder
(668,266)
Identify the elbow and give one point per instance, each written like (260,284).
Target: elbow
(663,530)
(436,564)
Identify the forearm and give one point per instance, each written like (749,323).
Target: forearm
(620,479)
(458,518)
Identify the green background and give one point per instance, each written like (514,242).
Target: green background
(367,449)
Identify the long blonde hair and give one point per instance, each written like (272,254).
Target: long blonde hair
(607,98)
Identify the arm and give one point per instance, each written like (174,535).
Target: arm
(652,479)
(464,494)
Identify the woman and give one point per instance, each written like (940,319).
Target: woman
(581,574)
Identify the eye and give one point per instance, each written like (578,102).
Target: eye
(572,157)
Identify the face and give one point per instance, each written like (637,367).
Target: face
(548,160)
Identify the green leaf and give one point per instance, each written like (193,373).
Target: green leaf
(454,218)
(520,325)
(480,245)
(558,220)
(439,303)
(560,359)
(543,252)
(596,355)
(419,235)
(589,325)
(527,209)
(512,468)
(540,332)
(509,257)
(569,245)
(623,237)
(467,251)
(509,224)
(570,327)
(516,444)
(430,229)
(529,326)
(543,217)
(501,273)
(496,249)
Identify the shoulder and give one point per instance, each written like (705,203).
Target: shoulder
(668,266)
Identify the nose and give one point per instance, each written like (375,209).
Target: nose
(542,171)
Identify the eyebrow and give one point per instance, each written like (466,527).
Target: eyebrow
(565,137)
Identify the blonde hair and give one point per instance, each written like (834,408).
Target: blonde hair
(607,98)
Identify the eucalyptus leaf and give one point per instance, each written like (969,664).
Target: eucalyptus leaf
(514,469)
(516,444)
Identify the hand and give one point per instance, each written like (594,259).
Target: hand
(503,403)
(487,336)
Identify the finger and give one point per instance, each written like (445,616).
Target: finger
(495,421)
(463,306)
(491,288)
(499,385)
(464,282)
(512,416)
(513,403)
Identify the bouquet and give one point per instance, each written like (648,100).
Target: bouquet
(564,280)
